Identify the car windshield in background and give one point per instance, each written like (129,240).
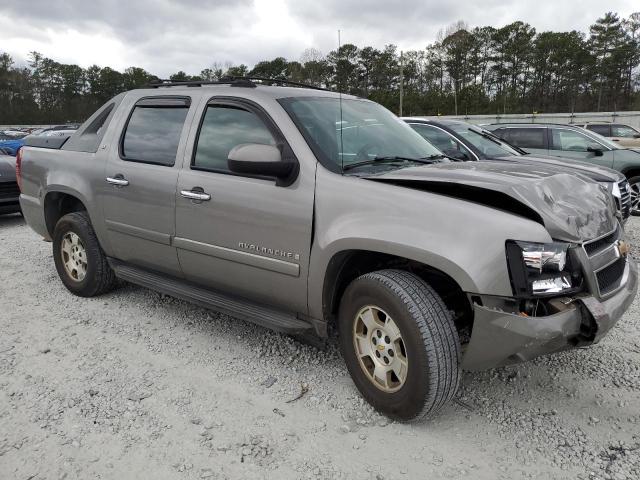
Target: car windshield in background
(487,143)
(363,131)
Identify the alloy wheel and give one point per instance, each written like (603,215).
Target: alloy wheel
(380,349)
(635,197)
(74,256)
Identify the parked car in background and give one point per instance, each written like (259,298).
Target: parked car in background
(9,192)
(303,210)
(11,133)
(59,130)
(624,135)
(467,142)
(57,133)
(11,145)
(570,141)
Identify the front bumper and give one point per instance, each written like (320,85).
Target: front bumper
(502,338)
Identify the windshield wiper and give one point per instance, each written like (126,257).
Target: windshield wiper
(498,140)
(488,136)
(394,159)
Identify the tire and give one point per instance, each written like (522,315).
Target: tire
(634,183)
(428,335)
(98,277)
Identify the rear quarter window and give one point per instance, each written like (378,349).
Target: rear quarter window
(604,130)
(90,134)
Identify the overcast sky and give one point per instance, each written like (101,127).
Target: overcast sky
(164,36)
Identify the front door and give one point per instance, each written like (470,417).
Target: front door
(140,180)
(243,235)
(569,143)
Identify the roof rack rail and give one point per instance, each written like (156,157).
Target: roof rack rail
(249,82)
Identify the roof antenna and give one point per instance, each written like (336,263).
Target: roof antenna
(340,96)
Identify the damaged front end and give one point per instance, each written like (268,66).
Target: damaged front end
(599,283)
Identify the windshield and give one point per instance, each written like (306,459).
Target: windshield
(486,142)
(362,132)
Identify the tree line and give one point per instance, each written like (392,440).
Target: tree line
(481,70)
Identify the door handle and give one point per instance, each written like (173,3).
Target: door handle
(118,180)
(194,194)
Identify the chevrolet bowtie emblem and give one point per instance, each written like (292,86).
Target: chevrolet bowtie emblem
(623,248)
(380,347)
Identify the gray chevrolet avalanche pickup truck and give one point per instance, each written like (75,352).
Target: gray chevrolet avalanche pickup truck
(309,212)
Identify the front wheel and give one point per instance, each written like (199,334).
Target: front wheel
(399,343)
(634,185)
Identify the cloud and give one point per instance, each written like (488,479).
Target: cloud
(164,36)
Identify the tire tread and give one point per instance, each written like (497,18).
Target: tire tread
(438,331)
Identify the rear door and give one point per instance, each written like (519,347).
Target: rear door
(140,180)
(570,143)
(247,236)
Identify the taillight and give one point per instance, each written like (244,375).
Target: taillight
(19,168)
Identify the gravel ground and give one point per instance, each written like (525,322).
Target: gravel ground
(138,385)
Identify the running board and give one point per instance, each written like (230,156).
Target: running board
(263,315)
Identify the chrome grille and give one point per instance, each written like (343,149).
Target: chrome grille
(625,199)
(606,264)
(595,246)
(610,277)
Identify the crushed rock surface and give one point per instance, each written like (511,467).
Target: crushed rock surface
(134,384)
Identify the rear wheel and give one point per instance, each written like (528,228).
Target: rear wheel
(399,343)
(80,261)
(634,184)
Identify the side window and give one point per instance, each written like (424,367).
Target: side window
(153,131)
(603,130)
(569,140)
(501,133)
(439,139)
(624,131)
(526,137)
(223,128)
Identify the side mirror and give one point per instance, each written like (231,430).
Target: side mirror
(456,154)
(637,135)
(596,149)
(262,160)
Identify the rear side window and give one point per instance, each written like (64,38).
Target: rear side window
(603,130)
(525,137)
(153,131)
(223,128)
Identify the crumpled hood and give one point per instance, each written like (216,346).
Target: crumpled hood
(594,172)
(571,207)
(7,168)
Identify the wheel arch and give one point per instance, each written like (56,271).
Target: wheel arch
(631,172)
(58,203)
(347,265)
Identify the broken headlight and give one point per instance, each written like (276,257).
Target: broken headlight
(540,269)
